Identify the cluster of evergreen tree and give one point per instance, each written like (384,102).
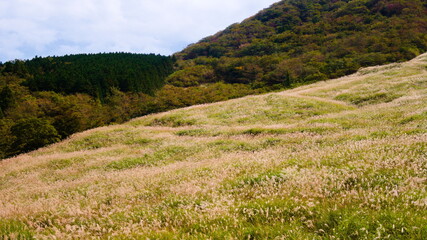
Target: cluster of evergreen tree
(94,74)
(300,41)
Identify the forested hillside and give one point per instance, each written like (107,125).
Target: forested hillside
(44,100)
(94,74)
(299,41)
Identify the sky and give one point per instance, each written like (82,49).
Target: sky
(30,28)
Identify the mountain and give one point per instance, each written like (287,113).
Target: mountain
(338,159)
(296,42)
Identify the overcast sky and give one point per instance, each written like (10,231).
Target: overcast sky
(58,27)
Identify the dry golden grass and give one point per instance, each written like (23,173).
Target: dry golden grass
(339,159)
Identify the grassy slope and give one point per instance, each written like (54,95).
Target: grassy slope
(344,158)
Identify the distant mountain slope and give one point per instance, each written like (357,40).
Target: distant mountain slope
(339,159)
(300,41)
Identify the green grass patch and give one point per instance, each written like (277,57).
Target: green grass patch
(172,121)
(164,155)
(270,109)
(126,163)
(324,221)
(233,145)
(379,134)
(358,223)
(194,133)
(13,229)
(63,163)
(138,141)
(94,141)
(258,131)
(278,131)
(367,99)
(415,131)
(414,118)
(102,139)
(237,145)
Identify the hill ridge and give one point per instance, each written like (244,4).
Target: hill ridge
(296,92)
(291,43)
(356,161)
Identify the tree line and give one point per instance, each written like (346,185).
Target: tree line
(93,74)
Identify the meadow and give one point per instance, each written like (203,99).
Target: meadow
(338,159)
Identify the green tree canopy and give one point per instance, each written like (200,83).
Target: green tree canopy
(310,40)
(33,133)
(6,98)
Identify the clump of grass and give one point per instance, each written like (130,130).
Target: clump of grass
(379,134)
(172,121)
(415,117)
(367,99)
(162,156)
(279,131)
(93,141)
(138,141)
(126,163)
(101,139)
(351,222)
(233,145)
(258,131)
(194,133)
(271,142)
(63,163)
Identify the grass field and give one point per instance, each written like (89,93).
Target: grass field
(339,159)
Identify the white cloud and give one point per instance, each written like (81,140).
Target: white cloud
(57,27)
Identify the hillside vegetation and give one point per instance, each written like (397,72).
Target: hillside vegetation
(291,43)
(296,42)
(93,74)
(338,159)
(44,100)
